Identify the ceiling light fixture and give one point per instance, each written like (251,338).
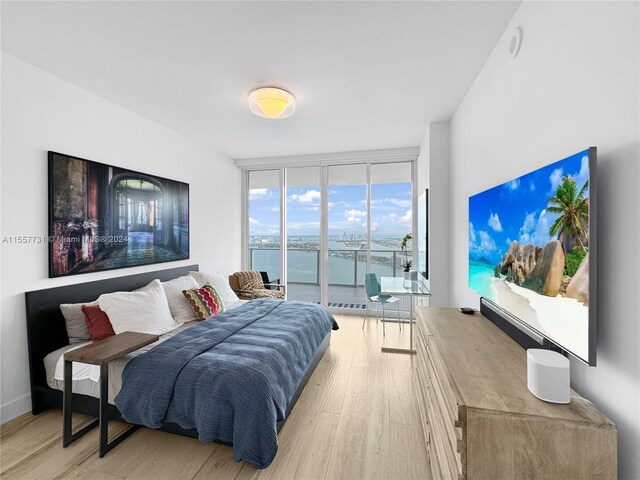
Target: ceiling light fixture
(515,43)
(272,102)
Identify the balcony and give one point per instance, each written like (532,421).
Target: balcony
(346,272)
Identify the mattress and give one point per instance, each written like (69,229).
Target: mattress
(86,377)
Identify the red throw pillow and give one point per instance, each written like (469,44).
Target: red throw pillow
(97,322)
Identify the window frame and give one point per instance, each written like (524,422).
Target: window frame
(409,155)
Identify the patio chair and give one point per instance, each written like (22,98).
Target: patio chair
(269,284)
(249,285)
(372,290)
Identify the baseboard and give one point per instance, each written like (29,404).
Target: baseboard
(15,408)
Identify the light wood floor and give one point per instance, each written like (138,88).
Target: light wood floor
(355,419)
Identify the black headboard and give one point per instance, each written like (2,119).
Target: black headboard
(46,331)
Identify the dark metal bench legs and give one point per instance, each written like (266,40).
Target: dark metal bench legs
(67,436)
(103,416)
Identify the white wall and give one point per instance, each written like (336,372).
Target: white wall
(574,84)
(41,112)
(433,173)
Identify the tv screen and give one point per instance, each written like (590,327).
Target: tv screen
(532,251)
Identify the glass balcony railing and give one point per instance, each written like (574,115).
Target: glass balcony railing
(346,267)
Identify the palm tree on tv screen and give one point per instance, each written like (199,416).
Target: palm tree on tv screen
(572,206)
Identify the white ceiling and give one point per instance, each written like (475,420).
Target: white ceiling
(367,75)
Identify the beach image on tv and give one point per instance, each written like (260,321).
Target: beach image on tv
(529,250)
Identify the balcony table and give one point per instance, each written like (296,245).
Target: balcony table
(399,287)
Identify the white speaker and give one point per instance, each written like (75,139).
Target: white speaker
(548,375)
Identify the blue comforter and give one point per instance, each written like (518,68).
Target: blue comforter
(230,377)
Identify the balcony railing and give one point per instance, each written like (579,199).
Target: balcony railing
(346,267)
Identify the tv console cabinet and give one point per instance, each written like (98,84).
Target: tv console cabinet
(481,421)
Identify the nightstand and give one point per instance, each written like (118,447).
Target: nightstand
(99,353)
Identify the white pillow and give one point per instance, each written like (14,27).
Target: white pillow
(144,311)
(181,310)
(77,330)
(221,284)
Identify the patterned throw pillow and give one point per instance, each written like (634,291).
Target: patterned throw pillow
(204,301)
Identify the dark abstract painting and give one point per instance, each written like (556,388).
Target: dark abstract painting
(103,217)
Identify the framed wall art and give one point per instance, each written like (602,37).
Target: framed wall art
(103,217)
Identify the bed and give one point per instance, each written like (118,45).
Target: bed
(47,339)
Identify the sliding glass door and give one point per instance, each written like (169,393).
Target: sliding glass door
(322,228)
(391,218)
(347,234)
(264,222)
(303,233)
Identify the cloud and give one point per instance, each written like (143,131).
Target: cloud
(253,221)
(331,204)
(555,178)
(355,213)
(532,186)
(307,197)
(345,226)
(494,222)
(353,219)
(508,241)
(583,175)
(396,202)
(487,245)
(258,193)
(303,226)
(513,184)
(374,226)
(536,231)
(269,231)
(480,243)
(529,222)
(404,220)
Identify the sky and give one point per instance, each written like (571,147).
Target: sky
(390,210)
(516,210)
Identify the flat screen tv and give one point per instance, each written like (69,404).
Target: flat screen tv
(532,251)
(422,234)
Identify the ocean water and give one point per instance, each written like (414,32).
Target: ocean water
(480,278)
(303,266)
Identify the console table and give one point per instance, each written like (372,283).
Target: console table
(100,353)
(481,421)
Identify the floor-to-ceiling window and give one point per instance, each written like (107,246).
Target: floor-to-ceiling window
(264,222)
(323,227)
(391,218)
(347,234)
(303,233)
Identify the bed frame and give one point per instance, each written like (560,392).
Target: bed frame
(46,332)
